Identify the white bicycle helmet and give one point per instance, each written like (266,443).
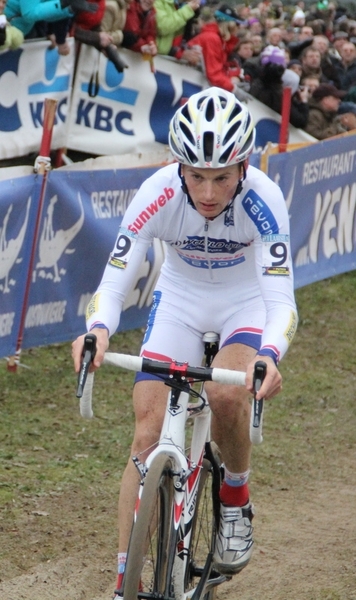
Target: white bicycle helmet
(212,130)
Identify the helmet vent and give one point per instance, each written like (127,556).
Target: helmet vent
(200,101)
(190,154)
(210,110)
(247,146)
(235,112)
(186,113)
(188,134)
(231,132)
(208,146)
(174,146)
(225,155)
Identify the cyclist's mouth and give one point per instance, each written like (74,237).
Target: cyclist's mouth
(208,207)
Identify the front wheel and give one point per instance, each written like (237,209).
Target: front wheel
(148,558)
(205,524)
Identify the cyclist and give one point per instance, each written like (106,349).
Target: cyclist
(227,269)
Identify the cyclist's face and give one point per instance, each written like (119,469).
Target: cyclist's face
(211,189)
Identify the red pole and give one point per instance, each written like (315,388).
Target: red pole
(42,166)
(286,104)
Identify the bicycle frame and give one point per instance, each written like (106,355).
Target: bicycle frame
(184,471)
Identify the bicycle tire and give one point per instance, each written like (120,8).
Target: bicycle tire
(147,567)
(205,522)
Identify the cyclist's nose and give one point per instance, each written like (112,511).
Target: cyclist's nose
(209,190)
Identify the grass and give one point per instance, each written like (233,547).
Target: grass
(48,452)
(43,436)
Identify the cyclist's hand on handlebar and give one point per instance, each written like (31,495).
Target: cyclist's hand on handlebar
(102,344)
(272,383)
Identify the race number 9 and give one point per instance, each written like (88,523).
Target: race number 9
(275,254)
(279,250)
(123,246)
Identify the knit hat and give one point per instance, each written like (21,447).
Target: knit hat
(291,79)
(347,107)
(299,14)
(273,54)
(327,89)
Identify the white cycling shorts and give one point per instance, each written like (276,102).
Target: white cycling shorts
(179,318)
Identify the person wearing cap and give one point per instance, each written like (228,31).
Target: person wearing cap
(298,18)
(347,115)
(339,39)
(296,66)
(323,108)
(217,40)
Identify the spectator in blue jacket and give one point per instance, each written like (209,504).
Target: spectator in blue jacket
(23,14)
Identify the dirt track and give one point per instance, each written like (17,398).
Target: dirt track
(305,550)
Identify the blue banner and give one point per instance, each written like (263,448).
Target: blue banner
(80,220)
(319,184)
(81,214)
(18,209)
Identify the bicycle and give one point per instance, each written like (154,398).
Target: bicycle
(177,512)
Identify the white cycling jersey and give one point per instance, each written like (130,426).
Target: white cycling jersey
(232,274)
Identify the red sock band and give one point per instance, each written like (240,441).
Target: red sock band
(234,496)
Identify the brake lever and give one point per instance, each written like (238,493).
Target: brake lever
(89,351)
(257,405)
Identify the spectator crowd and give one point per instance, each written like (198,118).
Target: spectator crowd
(254,49)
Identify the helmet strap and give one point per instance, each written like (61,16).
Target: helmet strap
(240,183)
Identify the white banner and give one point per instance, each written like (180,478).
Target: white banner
(28,76)
(130,111)
(110,112)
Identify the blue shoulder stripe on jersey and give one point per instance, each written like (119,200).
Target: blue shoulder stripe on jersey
(260,213)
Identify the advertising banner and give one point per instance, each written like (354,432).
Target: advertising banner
(18,206)
(28,76)
(109,112)
(80,221)
(319,184)
(130,111)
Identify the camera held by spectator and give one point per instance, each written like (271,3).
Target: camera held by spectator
(2,30)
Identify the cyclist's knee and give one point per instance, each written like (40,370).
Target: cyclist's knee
(227,399)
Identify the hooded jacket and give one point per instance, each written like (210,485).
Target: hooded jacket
(215,56)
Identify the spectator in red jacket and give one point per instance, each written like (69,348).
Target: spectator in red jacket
(87,29)
(216,40)
(140,30)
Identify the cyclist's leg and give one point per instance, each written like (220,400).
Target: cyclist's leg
(230,406)
(231,410)
(149,399)
(165,338)
(240,341)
